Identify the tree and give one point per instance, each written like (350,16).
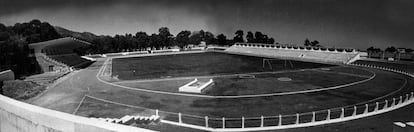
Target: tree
(391,49)
(154,41)
(271,41)
(142,40)
(196,37)
(260,37)
(408,50)
(208,37)
(307,42)
(372,49)
(221,39)
(250,37)
(315,43)
(165,37)
(129,42)
(183,38)
(239,36)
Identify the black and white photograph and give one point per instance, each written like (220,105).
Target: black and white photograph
(206,65)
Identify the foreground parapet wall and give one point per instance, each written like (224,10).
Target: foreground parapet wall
(6,75)
(16,116)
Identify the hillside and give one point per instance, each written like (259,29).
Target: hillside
(87,36)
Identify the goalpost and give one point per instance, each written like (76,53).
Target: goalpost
(267,63)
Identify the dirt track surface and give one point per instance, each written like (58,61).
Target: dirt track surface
(66,95)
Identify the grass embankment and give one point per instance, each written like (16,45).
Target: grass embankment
(21,90)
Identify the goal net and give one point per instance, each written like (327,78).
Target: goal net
(270,64)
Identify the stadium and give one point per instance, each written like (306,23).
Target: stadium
(244,87)
(207,65)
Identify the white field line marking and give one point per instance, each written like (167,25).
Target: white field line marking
(238,96)
(80,103)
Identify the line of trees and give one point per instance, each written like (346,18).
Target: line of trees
(314,43)
(162,39)
(257,37)
(391,49)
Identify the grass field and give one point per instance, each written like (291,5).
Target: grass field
(211,63)
(264,83)
(269,83)
(196,64)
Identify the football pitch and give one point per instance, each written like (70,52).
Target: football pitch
(200,64)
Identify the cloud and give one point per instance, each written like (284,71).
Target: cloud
(341,23)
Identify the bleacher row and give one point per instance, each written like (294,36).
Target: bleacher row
(46,78)
(62,46)
(44,62)
(62,51)
(319,55)
(294,47)
(72,60)
(131,120)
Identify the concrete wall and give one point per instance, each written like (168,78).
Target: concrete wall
(6,75)
(16,116)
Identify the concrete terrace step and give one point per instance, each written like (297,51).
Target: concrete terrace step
(131,120)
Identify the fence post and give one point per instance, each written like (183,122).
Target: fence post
(342,113)
(242,121)
(376,106)
(355,111)
(224,122)
(329,115)
(179,118)
(297,118)
(407,97)
(280,120)
(393,102)
(412,95)
(366,109)
(261,121)
(313,116)
(156,112)
(206,117)
(385,105)
(400,101)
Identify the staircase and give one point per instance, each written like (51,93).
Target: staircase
(45,62)
(132,120)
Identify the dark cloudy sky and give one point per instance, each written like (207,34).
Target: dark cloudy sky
(339,23)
